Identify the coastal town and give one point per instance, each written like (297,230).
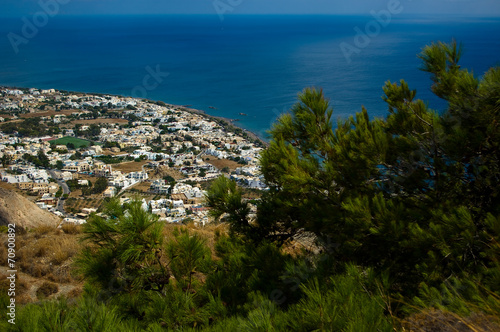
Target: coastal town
(70,152)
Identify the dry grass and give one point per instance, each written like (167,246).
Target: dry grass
(46,289)
(142,187)
(48,113)
(44,256)
(8,186)
(76,203)
(129,166)
(74,194)
(21,285)
(3,255)
(163,171)
(221,163)
(108,152)
(43,247)
(34,269)
(71,229)
(22,288)
(75,292)
(47,252)
(433,320)
(44,230)
(63,274)
(98,121)
(60,256)
(63,249)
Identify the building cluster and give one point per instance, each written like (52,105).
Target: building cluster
(35,100)
(163,135)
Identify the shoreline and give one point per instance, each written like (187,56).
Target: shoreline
(227,123)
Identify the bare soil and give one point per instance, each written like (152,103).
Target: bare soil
(129,166)
(48,113)
(99,121)
(221,163)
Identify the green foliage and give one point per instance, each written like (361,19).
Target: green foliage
(73,184)
(46,316)
(263,315)
(346,303)
(100,185)
(96,188)
(225,200)
(110,144)
(401,214)
(128,266)
(188,253)
(30,127)
(242,269)
(110,159)
(40,160)
(77,155)
(168,179)
(91,315)
(414,196)
(410,194)
(71,142)
(125,250)
(6,160)
(59,164)
(62,315)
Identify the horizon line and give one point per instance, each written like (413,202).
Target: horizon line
(421,15)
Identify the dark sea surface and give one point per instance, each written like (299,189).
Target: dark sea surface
(243,64)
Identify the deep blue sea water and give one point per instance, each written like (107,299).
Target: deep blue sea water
(243,64)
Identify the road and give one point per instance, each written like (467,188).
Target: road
(65,188)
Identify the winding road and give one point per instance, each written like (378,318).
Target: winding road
(65,188)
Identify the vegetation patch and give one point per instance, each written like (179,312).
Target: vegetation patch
(222,163)
(46,289)
(77,142)
(371,225)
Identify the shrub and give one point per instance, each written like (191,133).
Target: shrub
(46,289)
(75,292)
(42,247)
(60,255)
(71,229)
(43,230)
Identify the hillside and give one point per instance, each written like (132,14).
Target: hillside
(44,259)
(18,210)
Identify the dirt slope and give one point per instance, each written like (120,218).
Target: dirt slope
(16,209)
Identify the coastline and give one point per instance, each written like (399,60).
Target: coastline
(227,123)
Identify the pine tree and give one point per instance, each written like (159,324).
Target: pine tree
(410,194)
(124,251)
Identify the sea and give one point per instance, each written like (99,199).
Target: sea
(248,68)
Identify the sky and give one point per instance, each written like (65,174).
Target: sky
(19,8)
